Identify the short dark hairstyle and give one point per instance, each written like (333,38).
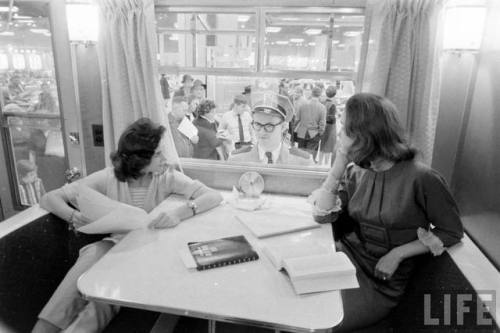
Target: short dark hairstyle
(205,107)
(136,147)
(372,122)
(331,91)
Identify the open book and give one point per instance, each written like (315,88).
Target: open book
(266,223)
(110,216)
(313,268)
(222,252)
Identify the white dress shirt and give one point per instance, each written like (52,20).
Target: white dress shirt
(262,154)
(229,122)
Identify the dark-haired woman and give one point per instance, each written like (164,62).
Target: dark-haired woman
(138,177)
(382,207)
(206,148)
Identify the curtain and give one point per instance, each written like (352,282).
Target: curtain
(127,59)
(403,63)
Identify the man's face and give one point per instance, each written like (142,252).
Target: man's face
(179,110)
(268,139)
(199,92)
(240,107)
(188,84)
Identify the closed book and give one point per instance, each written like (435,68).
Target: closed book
(222,252)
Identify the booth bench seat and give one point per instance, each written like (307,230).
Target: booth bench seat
(35,257)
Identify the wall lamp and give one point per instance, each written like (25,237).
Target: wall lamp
(463,28)
(83,26)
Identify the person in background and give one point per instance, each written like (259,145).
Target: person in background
(238,123)
(183,144)
(270,117)
(193,103)
(207,131)
(310,122)
(329,137)
(46,102)
(187,84)
(386,208)
(247,92)
(298,100)
(165,87)
(199,89)
(139,177)
(31,186)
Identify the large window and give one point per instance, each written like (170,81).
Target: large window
(29,106)
(292,51)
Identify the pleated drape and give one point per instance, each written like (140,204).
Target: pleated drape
(403,63)
(127,59)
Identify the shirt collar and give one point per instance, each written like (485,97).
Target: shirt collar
(210,121)
(262,154)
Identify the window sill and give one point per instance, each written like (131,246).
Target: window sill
(282,180)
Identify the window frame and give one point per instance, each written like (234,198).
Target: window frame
(292,180)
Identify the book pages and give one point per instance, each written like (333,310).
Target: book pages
(187,128)
(321,272)
(278,253)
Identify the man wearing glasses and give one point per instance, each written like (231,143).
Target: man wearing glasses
(270,116)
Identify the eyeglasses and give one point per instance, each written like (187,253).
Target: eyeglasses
(269,127)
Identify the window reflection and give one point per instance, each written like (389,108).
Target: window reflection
(29,102)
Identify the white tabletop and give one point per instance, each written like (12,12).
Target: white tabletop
(145,271)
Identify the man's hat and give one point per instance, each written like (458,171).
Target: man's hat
(186,77)
(271,103)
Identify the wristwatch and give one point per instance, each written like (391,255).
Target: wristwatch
(194,207)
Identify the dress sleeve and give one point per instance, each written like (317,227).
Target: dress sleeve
(185,186)
(441,211)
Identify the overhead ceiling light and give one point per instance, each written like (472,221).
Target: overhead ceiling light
(282,42)
(273,29)
(7,33)
(24,21)
(4,9)
(290,18)
(296,40)
(311,44)
(352,33)
(335,41)
(313,32)
(39,31)
(22,17)
(243,18)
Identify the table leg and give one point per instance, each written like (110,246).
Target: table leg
(211,326)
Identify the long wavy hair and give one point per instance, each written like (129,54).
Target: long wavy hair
(136,147)
(373,124)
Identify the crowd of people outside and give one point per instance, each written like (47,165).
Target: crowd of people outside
(36,142)
(304,124)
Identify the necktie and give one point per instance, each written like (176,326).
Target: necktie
(240,129)
(269,156)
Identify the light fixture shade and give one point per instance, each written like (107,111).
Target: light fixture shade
(463,28)
(82,22)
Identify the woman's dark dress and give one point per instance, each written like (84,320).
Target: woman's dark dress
(385,209)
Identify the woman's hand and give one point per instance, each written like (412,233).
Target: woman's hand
(164,220)
(345,142)
(387,265)
(194,139)
(78,220)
